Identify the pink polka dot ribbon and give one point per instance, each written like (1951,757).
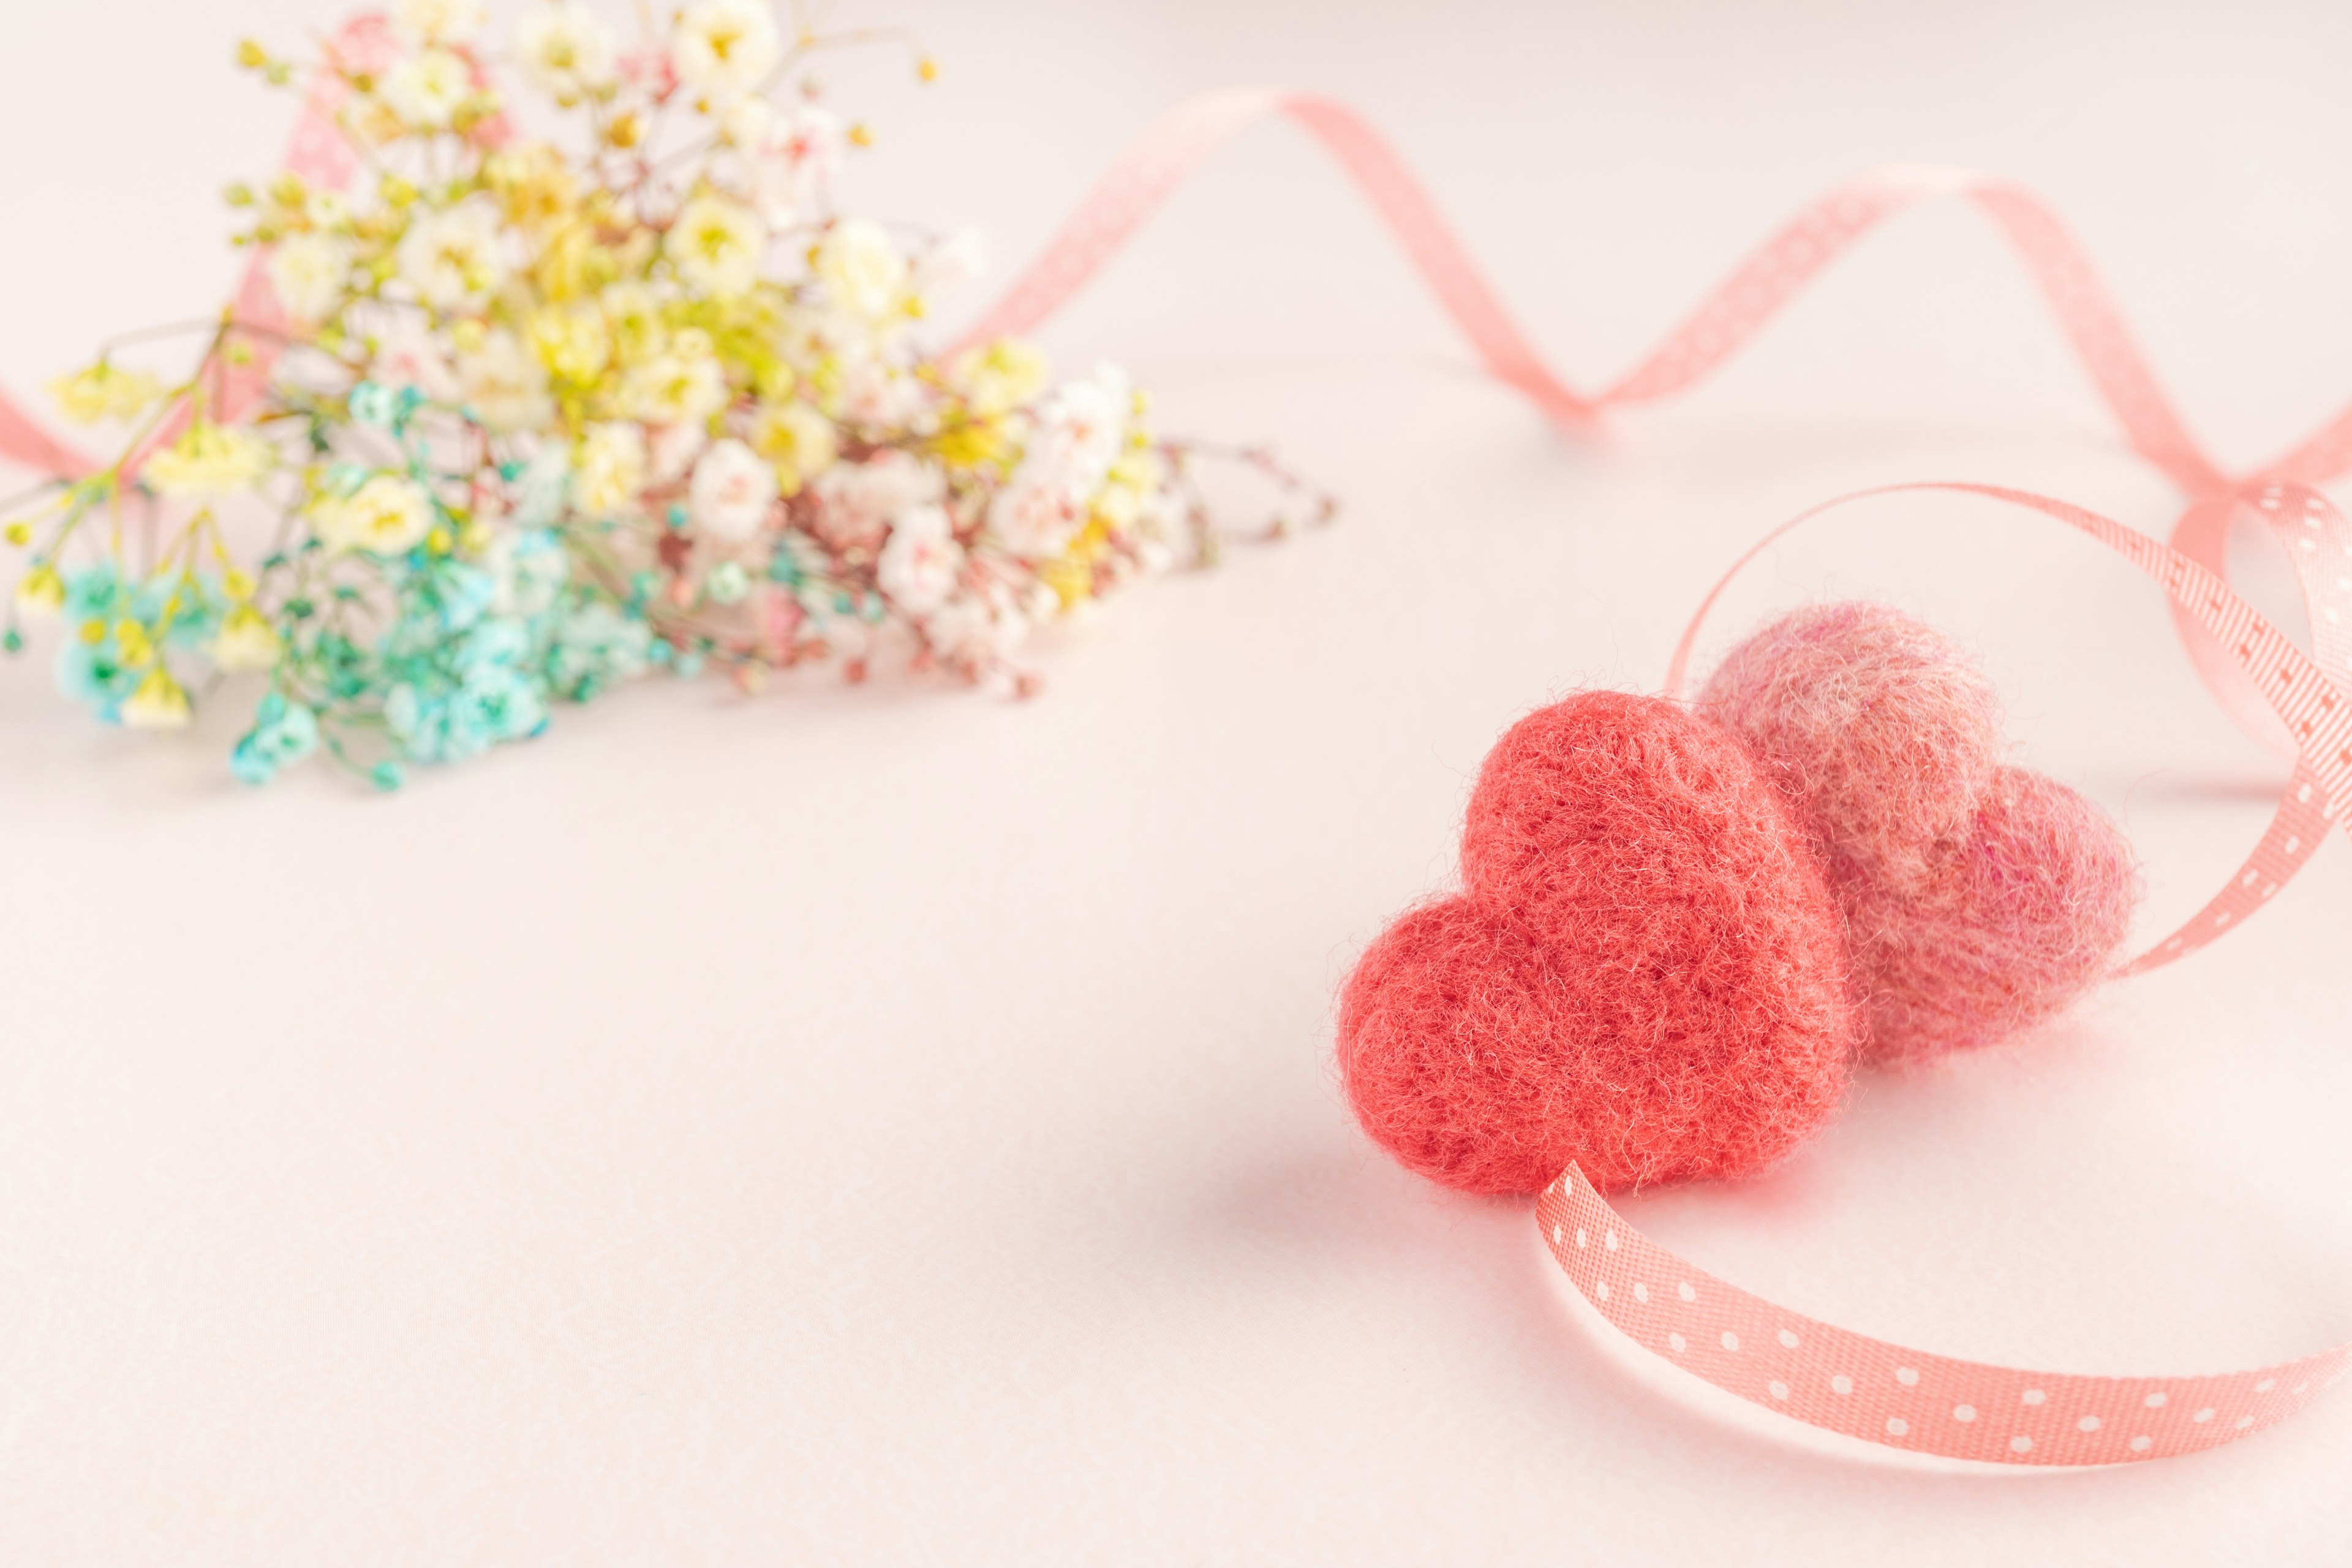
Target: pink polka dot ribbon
(1868,1388)
(1813,1370)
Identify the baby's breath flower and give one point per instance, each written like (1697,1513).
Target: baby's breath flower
(681,387)
(724,46)
(420,21)
(159,702)
(505,384)
(861,269)
(792,162)
(454,258)
(426,89)
(919,564)
(948,266)
(714,246)
(733,489)
(1000,377)
(565,49)
(388,515)
(571,341)
(209,461)
(41,592)
(609,470)
(797,440)
(247,642)
(104,391)
(309,273)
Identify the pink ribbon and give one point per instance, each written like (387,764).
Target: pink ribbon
(1813,1370)
(320,152)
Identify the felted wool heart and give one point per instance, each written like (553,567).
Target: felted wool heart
(1646,972)
(1980,897)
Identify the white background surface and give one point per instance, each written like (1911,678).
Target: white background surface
(895,1126)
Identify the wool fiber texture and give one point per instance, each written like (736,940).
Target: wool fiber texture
(1981,898)
(1646,971)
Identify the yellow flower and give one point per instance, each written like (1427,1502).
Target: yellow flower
(533,184)
(686,384)
(634,314)
(797,440)
(210,460)
(158,704)
(387,515)
(974,444)
(41,592)
(104,391)
(246,641)
(998,378)
(715,245)
(138,647)
(609,470)
(572,342)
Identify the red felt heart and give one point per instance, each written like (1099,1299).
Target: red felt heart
(1646,972)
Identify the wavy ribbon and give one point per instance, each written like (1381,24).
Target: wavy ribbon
(1813,1370)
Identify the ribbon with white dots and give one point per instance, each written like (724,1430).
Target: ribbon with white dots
(1884,1392)
(2309,697)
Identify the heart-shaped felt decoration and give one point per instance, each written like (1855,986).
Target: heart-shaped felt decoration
(1980,897)
(1645,972)
(1678,928)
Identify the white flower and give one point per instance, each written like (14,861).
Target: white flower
(455,257)
(420,21)
(564,48)
(672,448)
(505,384)
(1035,517)
(209,461)
(715,245)
(724,46)
(686,385)
(732,490)
(918,567)
(425,90)
(857,501)
(1081,428)
(247,642)
(406,354)
(529,567)
(949,264)
(861,269)
(747,121)
(876,392)
(610,469)
(309,272)
(387,515)
(792,162)
(977,631)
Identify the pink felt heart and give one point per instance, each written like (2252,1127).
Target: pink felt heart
(1980,897)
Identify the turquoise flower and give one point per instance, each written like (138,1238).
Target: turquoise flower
(283,733)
